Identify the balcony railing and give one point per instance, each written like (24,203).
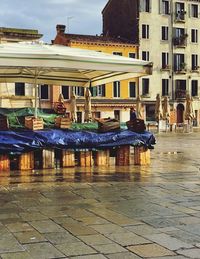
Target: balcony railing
(180,41)
(166,67)
(180,68)
(195,69)
(180,94)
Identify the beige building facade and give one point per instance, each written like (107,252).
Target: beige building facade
(169,37)
(168,34)
(17,95)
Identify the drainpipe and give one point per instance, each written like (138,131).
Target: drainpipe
(171,51)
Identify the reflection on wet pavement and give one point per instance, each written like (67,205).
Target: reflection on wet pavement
(175,152)
(106,212)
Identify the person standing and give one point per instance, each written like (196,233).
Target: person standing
(133,114)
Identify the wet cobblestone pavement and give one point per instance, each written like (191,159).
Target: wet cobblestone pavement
(115,212)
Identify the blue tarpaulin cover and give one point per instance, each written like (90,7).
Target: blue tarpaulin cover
(17,142)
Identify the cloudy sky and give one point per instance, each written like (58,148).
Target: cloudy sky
(82,16)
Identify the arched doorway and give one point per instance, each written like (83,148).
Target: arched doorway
(180,113)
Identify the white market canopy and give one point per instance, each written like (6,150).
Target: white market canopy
(55,64)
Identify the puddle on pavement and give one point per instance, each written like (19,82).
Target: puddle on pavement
(171,153)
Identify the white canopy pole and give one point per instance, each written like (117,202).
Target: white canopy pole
(36,96)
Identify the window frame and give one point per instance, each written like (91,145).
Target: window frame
(48,92)
(116,89)
(134,89)
(18,91)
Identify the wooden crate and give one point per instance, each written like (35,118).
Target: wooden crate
(4,163)
(63,122)
(68,158)
(102,157)
(141,156)
(123,156)
(4,124)
(34,123)
(85,158)
(26,161)
(48,158)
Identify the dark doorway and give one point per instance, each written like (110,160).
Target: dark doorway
(79,117)
(180,113)
(117,114)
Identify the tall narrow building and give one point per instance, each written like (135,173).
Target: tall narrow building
(167,32)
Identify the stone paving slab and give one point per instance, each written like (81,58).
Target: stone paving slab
(150,250)
(123,255)
(46,226)
(109,248)
(190,253)
(116,212)
(99,256)
(126,239)
(43,250)
(95,240)
(28,237)
(17,255)
(60,238)
(73,249)
(168,242)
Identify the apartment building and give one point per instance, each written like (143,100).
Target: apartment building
(111,100)
(167,32)
(17,95)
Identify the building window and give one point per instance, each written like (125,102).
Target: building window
(116,89)
(132,89)
(117,53)
(145,31)
(78,90)
(65,91)
(165,6)
(194,87)
(165,60)
(145,86)
(117,115)
(165,33)
(180,90)
(20,89)
(165,87)
(194,35)
(145,55)
(145,6)
(179,62)
(132,55)
(194,12)
(180,11)
(99,91)
(44,92)
(194,63)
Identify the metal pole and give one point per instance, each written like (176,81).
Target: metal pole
(172,50)
(36,97)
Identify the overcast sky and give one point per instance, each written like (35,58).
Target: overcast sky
(83,16)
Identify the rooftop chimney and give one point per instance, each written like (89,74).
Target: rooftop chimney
(60,28)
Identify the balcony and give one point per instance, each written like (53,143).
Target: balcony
(195,69)
(180,94)
(166,67)
(180,41)
(180,16)
(180,68)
